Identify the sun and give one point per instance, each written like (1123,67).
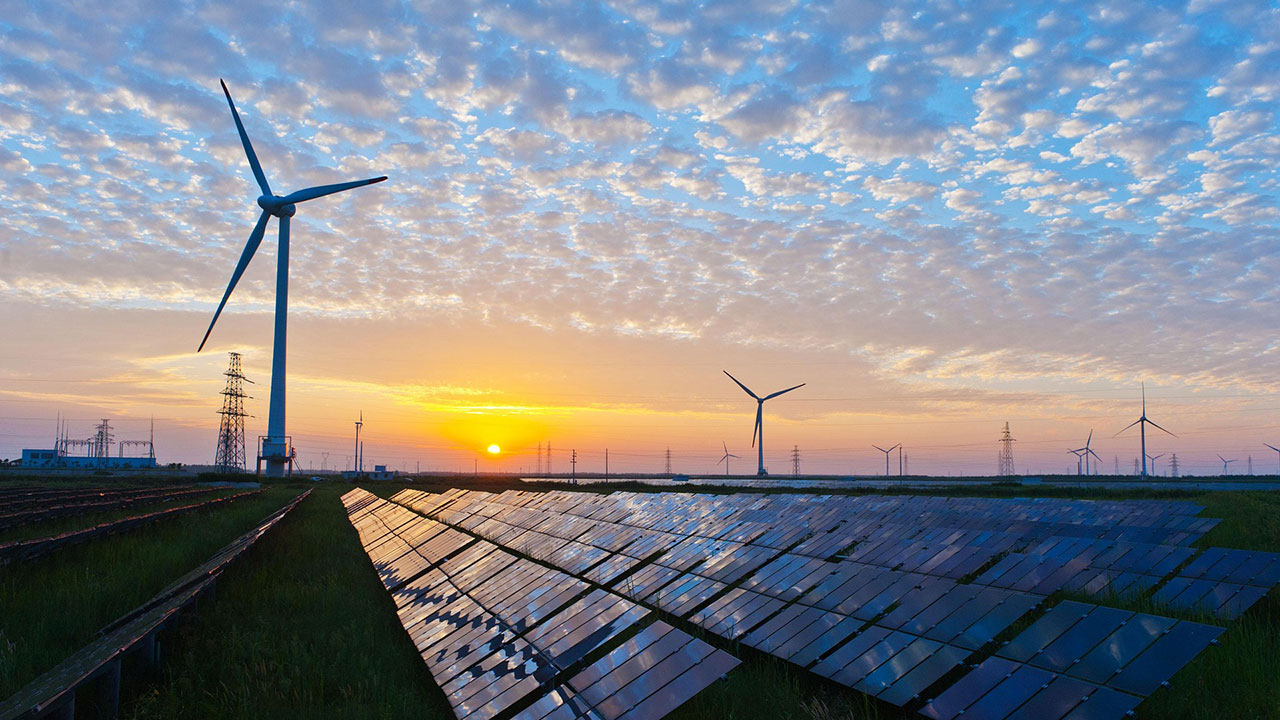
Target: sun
(494,449)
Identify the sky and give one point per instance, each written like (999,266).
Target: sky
(940,216)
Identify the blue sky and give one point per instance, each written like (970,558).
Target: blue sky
(1018,207)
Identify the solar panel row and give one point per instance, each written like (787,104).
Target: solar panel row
(845,587)
(502,634)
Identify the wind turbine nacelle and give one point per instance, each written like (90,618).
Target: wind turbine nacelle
(276,206)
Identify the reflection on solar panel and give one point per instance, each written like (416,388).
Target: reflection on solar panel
(891,596)
(505,635)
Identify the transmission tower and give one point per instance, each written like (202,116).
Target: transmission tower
(1173,466)
(548,457)
(1250,464)
(795,461)
(539,457)
(1006,452)
(230,456)
(101,443)
(668,471)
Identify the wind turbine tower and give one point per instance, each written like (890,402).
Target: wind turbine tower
(276,448)
(1142,422)
(758,431)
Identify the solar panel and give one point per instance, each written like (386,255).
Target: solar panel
(985,676)
(651,673)
(1044,631)
(1072,645)
(1121,647)
(908,687)
(1164,657)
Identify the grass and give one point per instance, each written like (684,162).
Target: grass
(51,607)
(59,525)
(301,627)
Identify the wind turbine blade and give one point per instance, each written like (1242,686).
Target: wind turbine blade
(734,456)
(880,448)
(1160,428)
(1095,455)
(255,239)
(744,387)
(248,147)
(725,445)
(312,193)
(756,429)
(1086,442)
(766,397)
(1126,427)
(1273,447)
(723,459)
(895,447)
(1222,458)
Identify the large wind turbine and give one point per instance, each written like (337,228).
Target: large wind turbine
(726,457)
(759,427)
(1143,422)
(275,447)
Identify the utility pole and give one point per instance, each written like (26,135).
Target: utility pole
(359,423)
(795,461)
(1117,458)
(573,460)
(475,466)
(539,457)
(1006,452)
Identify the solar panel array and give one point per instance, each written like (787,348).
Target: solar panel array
(503,635)
(914,600)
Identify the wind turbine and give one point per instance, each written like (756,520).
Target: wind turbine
(1273,447)
(1225,462)
(759,427)
(1142,422)
(275,447)
(1079,453)
(886,456)
(1153,459)
(725,459)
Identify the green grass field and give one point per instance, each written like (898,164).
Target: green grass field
(302,627)
(52,606)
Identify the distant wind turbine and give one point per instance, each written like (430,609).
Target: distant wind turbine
(725,459)
(1142,422)
(886,456)
(758,431)
(1273,447)
(1079,453)
(275,447)
(1153,459)
(1225,463)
